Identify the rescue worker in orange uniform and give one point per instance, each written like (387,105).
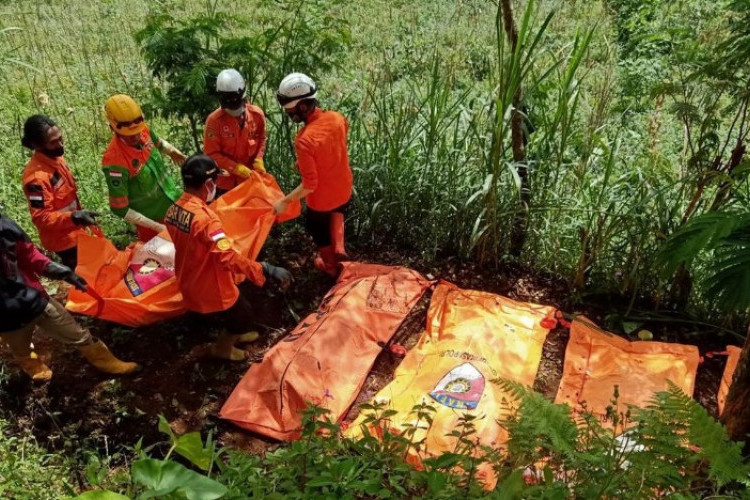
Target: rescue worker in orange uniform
(323,162)
(51,191)
(207,267)
(26,306)
(140,187)
(235,134)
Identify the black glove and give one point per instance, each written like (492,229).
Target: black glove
(84,217)
(60,272)
(278,274)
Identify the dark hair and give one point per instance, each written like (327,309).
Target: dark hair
(35,130)
(197,169)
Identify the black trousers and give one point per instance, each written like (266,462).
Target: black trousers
(69,257)
(318,224)
(238,319)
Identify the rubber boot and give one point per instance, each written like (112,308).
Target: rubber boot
(103,360)
(337,235)
(224,348)
(246,338)
(34,367)
(326,261)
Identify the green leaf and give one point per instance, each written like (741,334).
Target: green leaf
(630,326)
(191,447)
(101,495)
(165,477)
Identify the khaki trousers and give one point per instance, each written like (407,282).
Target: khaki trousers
(56,323)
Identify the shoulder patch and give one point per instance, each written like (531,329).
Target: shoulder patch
(35,197)
(218,235)
(224,244)
(179,217)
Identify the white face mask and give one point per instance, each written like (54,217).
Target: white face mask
(212,194)
(235,112)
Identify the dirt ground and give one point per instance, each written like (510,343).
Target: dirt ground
(81,408)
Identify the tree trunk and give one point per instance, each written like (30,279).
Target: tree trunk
(518,143)
(736,414)
(194,132)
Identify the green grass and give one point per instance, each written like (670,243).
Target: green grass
(421,83)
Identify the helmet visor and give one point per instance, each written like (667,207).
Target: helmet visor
(287,101)
(131,127)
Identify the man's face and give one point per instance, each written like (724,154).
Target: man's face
(296,113)
(232,101)
(131,140)
(53,143)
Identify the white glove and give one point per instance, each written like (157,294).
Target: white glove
(177,156)
(139,219)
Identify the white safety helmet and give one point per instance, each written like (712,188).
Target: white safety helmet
(230,81)
(294,88)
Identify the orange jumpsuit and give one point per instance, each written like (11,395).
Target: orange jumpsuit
(233,141)
(206,265)
(323,160)
(52,195)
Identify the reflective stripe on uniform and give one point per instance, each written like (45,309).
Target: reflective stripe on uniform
(71,207)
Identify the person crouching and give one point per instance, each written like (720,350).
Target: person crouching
(207,266)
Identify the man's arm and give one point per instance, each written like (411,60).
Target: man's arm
(212,147)
(221,246)
(40,196)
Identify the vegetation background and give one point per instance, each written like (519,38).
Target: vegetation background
(629,180)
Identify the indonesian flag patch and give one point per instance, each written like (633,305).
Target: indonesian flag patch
(218,235)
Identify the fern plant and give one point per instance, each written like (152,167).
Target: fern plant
(717,243)
(670,447)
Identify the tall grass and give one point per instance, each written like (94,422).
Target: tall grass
(429,94)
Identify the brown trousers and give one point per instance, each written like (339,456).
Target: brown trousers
(56,323)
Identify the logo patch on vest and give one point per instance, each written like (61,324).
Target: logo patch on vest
(460,388)
(179,218)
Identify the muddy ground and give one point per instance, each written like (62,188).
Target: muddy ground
(81,408)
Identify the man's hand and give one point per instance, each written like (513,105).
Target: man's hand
(61,272)
(84,217)
(177,157)
(278,274)
(259,166)
(280,206)
(242,171)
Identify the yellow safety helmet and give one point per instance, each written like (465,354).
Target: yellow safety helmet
(124,115)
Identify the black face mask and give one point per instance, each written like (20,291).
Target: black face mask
(53,153)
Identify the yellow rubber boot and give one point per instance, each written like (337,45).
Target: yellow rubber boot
(224,348)
(246,338)
(103,360)
(34,367)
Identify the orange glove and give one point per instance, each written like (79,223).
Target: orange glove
(242,171)
(259,166)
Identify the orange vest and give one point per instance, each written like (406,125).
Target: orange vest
(52,195)
(323,160)
(232,141)
(206,264)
